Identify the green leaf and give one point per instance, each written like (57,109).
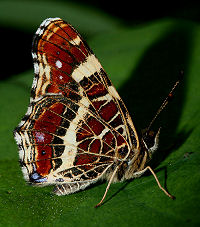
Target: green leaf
(26,15)
(143,62)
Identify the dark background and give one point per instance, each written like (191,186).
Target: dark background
(137,12)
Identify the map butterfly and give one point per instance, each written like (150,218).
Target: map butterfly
(77,129)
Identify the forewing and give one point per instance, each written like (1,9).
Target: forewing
(76,125)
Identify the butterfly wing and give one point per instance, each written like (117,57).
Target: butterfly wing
(76,125)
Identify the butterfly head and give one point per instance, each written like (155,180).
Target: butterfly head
(150,141)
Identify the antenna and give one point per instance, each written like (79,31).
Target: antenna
(166,101)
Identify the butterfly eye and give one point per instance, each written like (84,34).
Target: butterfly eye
(151,140)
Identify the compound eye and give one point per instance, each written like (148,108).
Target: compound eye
(151,140)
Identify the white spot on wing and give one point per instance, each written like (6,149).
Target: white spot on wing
(39,137)
(59,64)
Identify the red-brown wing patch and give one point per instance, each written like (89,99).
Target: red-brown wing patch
(56,53)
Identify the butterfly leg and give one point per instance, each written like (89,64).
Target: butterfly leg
(108,186)
(159,185)
(69,188)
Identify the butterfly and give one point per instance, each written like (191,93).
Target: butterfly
(77,129)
